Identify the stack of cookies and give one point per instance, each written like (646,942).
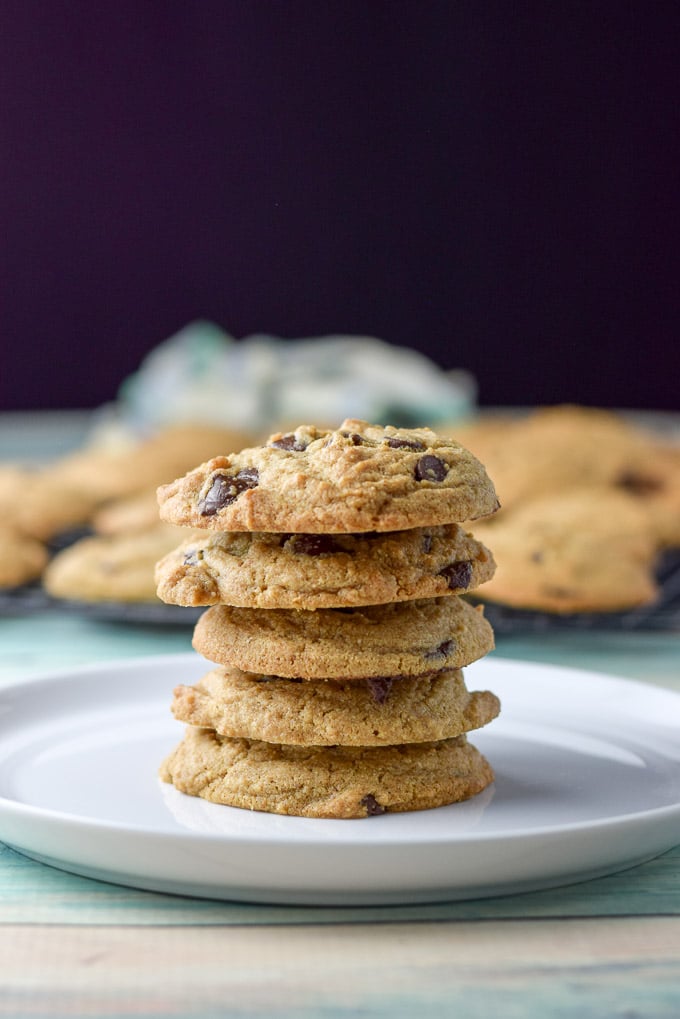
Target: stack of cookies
(332,563)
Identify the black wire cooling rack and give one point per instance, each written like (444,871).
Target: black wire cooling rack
(662,614)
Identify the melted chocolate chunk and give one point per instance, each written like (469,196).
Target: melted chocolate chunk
(380,687)
(431,468)
(313,544)
(443,650)
(226,489)
(405,444)
(458,574)
(276,679)
(638,484)
(354,437)
(373,808)
(289,442)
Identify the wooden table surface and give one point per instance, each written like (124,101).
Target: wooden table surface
(71,946)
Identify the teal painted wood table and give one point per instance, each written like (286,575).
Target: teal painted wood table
(74,946)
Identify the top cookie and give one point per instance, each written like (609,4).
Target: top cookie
(360,477)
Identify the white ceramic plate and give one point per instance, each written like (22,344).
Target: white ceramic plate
(587,782)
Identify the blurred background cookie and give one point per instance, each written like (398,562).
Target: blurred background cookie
(583,550)
(22,558)
(110,567)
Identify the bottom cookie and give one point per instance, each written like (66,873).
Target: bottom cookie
(332,782)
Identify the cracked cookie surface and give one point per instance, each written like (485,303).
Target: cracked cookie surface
(313,781)
(360,477)
(372,712)
(310,571)
(399,639)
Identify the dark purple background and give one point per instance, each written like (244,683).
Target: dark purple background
(493,183)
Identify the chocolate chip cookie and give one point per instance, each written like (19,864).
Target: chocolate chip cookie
(363,712)
(110,568)
(360,477)
(22,559)
(104,474)
(586,550)
(398,639)
(35,502)
(554,449)
(332,782)
(311,571)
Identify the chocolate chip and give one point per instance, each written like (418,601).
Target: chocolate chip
(289,442)
(380,687)
(458,574)
(354,438)
(638,484)
(431,468)
(405,444)
(225,489)
(313,544)
(560,593)
(427,543)
(373,808)
(276,679)
(443,650)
